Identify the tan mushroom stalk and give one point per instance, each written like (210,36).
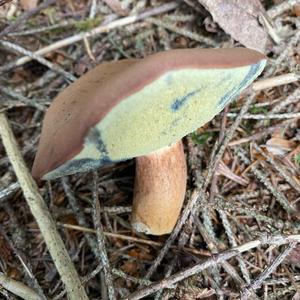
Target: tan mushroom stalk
(142,108)
(159,190)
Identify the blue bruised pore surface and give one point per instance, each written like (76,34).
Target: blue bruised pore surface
(180,101)
(230,95)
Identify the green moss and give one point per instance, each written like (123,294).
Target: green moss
(88,24)
(202,138)
(297,159)
(258,110)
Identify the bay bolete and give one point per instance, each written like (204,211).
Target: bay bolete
(142,108)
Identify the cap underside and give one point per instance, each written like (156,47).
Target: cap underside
(165,110)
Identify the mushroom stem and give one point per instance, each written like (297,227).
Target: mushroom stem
(160,185)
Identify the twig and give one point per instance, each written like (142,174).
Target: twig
(268,26)
(216,259)
(41,213)
(268,83)
(268,271)
(5,193)
(267,116)
(29,102)
(213,246)
(292,98)
(84,280)
(233,243)
(18,288)
(93,9)
(101,29)
(100,240)
(184,32)
(261,134)
(41,29)
(133,239)
(207,232)
(36,57)
(121,274)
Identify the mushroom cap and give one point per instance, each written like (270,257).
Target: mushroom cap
(129,108)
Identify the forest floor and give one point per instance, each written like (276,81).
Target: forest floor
(237,235)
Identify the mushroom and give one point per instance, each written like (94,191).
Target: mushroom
(142,108)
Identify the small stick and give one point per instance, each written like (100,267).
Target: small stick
(292,98)
(15,95)
(36,57)
(101,242)
(5,193)
(133,239)
(232,241)
(275,81)
(41,213)
(267,116)
(260,134)
(184,32)
(18,288)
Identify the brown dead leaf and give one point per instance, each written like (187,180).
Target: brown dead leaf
(140,254)
(239,19)
(294,256)
(116,7)
(296,10)
(29,4)
(59,199)
(5,250)
(222,169)
(13,273)
(279,146)
(130,267)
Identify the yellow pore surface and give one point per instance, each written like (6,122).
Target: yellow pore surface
(164,111)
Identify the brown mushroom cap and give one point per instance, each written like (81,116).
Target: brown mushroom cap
(130,108)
